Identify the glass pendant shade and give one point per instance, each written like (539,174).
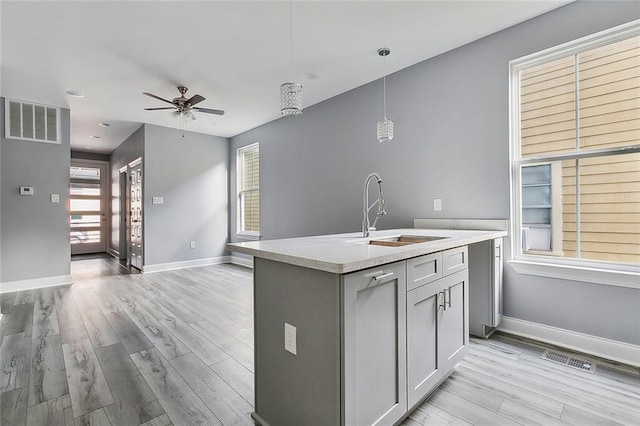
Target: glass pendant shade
(385,130)
(291,99)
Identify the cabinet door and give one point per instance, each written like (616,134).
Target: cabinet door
(454,323)
(423,365)
(374,345)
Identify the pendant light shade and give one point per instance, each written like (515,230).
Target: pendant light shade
(290,92)
(291,98)
(385,130)
(385,127)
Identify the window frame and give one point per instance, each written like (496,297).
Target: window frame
(624,275)
(240,231)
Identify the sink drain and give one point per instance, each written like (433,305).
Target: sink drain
(569,361)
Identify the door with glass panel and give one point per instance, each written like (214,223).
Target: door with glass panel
(87,205)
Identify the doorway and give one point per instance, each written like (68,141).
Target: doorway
(87,206)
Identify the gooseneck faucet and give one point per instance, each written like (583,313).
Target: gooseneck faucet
(366,226)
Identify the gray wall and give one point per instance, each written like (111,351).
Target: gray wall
(452,142)
(191,173)
(35,232)
(129,150)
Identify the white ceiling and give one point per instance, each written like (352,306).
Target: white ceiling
(234,53)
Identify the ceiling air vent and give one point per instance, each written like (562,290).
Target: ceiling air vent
(31,122)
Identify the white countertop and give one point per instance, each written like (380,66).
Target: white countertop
(343,253)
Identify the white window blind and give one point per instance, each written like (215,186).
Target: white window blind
(249,189)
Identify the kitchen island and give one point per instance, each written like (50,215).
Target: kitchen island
(357,331)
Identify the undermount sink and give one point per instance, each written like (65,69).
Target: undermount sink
(404,240)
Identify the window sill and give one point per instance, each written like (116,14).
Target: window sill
(248,236)
(577,273)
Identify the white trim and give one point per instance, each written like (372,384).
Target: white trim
(242,261)
(616,278)
(159,267)
(9,286)
(113,252)
(625,353)
(251,236)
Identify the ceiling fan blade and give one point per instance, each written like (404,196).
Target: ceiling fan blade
(195,99)
(156,109)
(210,111)
(157,97)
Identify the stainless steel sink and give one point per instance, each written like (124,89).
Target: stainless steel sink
(404,240)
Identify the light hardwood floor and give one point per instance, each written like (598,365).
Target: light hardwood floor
(177,348)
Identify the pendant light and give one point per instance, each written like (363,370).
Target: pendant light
(290,92)
(385,127)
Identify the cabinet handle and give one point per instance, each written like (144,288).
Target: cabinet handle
(448,299)
(444,299)
(383,277)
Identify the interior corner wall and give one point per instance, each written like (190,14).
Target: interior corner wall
(35,232)
(190,171)
(129,150)
(451,117)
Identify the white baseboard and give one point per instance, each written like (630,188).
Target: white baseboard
(158,267)
(242,261)
(625,353)
(114,253)
(35,283)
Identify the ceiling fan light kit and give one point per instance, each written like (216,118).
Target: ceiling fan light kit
(385,127)
(183,106)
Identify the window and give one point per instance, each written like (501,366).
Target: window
(576,153)
(248,162)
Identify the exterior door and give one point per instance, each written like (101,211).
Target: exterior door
(87,206)
(135,197)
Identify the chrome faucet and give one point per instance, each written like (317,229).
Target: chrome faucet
(366,226)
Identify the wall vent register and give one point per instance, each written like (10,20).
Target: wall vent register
(31,122)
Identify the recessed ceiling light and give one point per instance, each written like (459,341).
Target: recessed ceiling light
(104,124)
(75,94)
(95,137)
(88,147)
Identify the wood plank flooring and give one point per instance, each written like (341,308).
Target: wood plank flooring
(176,348)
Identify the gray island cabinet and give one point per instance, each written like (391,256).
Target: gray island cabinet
(373,335)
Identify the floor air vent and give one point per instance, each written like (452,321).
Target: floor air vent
(569,361)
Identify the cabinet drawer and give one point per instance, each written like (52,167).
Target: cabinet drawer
(423,270)
(454,260)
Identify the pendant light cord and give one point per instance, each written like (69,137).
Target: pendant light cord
(384,96)
(291,33)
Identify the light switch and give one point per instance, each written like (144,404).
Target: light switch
(26,190)
(192,244)
(55,198)
(437,204)
(290,339)
(157,200)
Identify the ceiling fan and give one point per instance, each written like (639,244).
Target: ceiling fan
(182,105)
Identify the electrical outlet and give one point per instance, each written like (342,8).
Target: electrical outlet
(437,204)
(55,198)
(290,339)
(192,244)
